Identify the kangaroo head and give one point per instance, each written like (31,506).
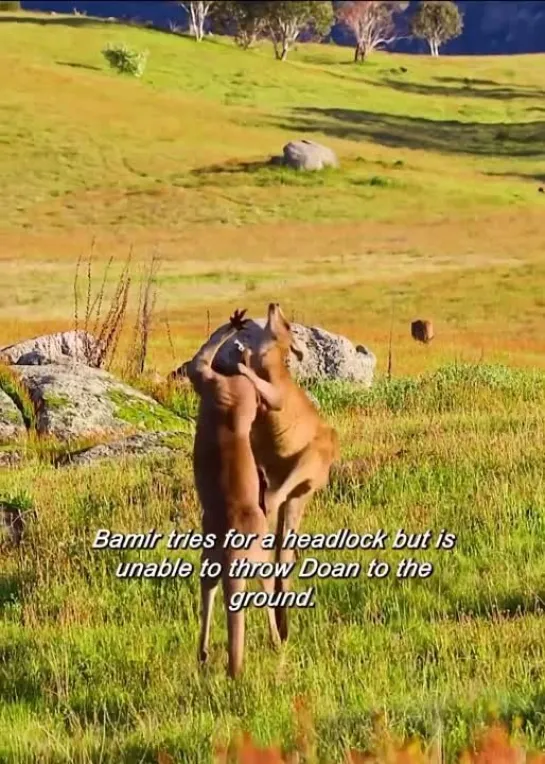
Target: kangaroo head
(278,340)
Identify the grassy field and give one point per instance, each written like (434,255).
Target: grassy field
(436,211)
(98,669)
(436,206)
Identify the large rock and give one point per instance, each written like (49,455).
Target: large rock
(74,401)
(307,155)
(62,347)
(12,424)
(331,356)
(325,355)
(140,444)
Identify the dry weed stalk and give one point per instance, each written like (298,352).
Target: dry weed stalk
(106,330)
(96,308)
(87,348)
(142,326)
(76,302)
(390,349)
(110,331)
(169,337)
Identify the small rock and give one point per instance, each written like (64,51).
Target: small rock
(308,155)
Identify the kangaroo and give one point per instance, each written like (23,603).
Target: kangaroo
(228,486)
(422,331)
(293,447)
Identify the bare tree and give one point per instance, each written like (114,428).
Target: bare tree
(198,11)
(371,22)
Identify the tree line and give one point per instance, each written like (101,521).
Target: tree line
(372,24)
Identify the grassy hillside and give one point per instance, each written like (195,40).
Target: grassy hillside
(436,204)
(435,209)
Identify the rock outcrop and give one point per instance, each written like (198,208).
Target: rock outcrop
(62,347)
(75,401)
(325,355)
(140,444)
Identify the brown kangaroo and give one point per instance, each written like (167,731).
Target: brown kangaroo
(422,331)
(228,487)
(292,445)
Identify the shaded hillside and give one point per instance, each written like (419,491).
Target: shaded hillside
(491,26)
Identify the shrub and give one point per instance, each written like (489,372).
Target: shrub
(126,60)
(10,5)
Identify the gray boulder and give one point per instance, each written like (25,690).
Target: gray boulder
(146,444)
(325,355)
(61,347)
(74,401)
(307,155)
(331,356)
(11,421)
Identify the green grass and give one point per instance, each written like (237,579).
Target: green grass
(99,669)
(143,415)
(56,401)
(433,213)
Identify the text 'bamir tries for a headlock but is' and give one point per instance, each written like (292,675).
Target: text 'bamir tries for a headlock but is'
(341,539)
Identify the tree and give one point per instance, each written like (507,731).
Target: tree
(371,22)
(246,21)
(286,20)
(198,12)
(437,21)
